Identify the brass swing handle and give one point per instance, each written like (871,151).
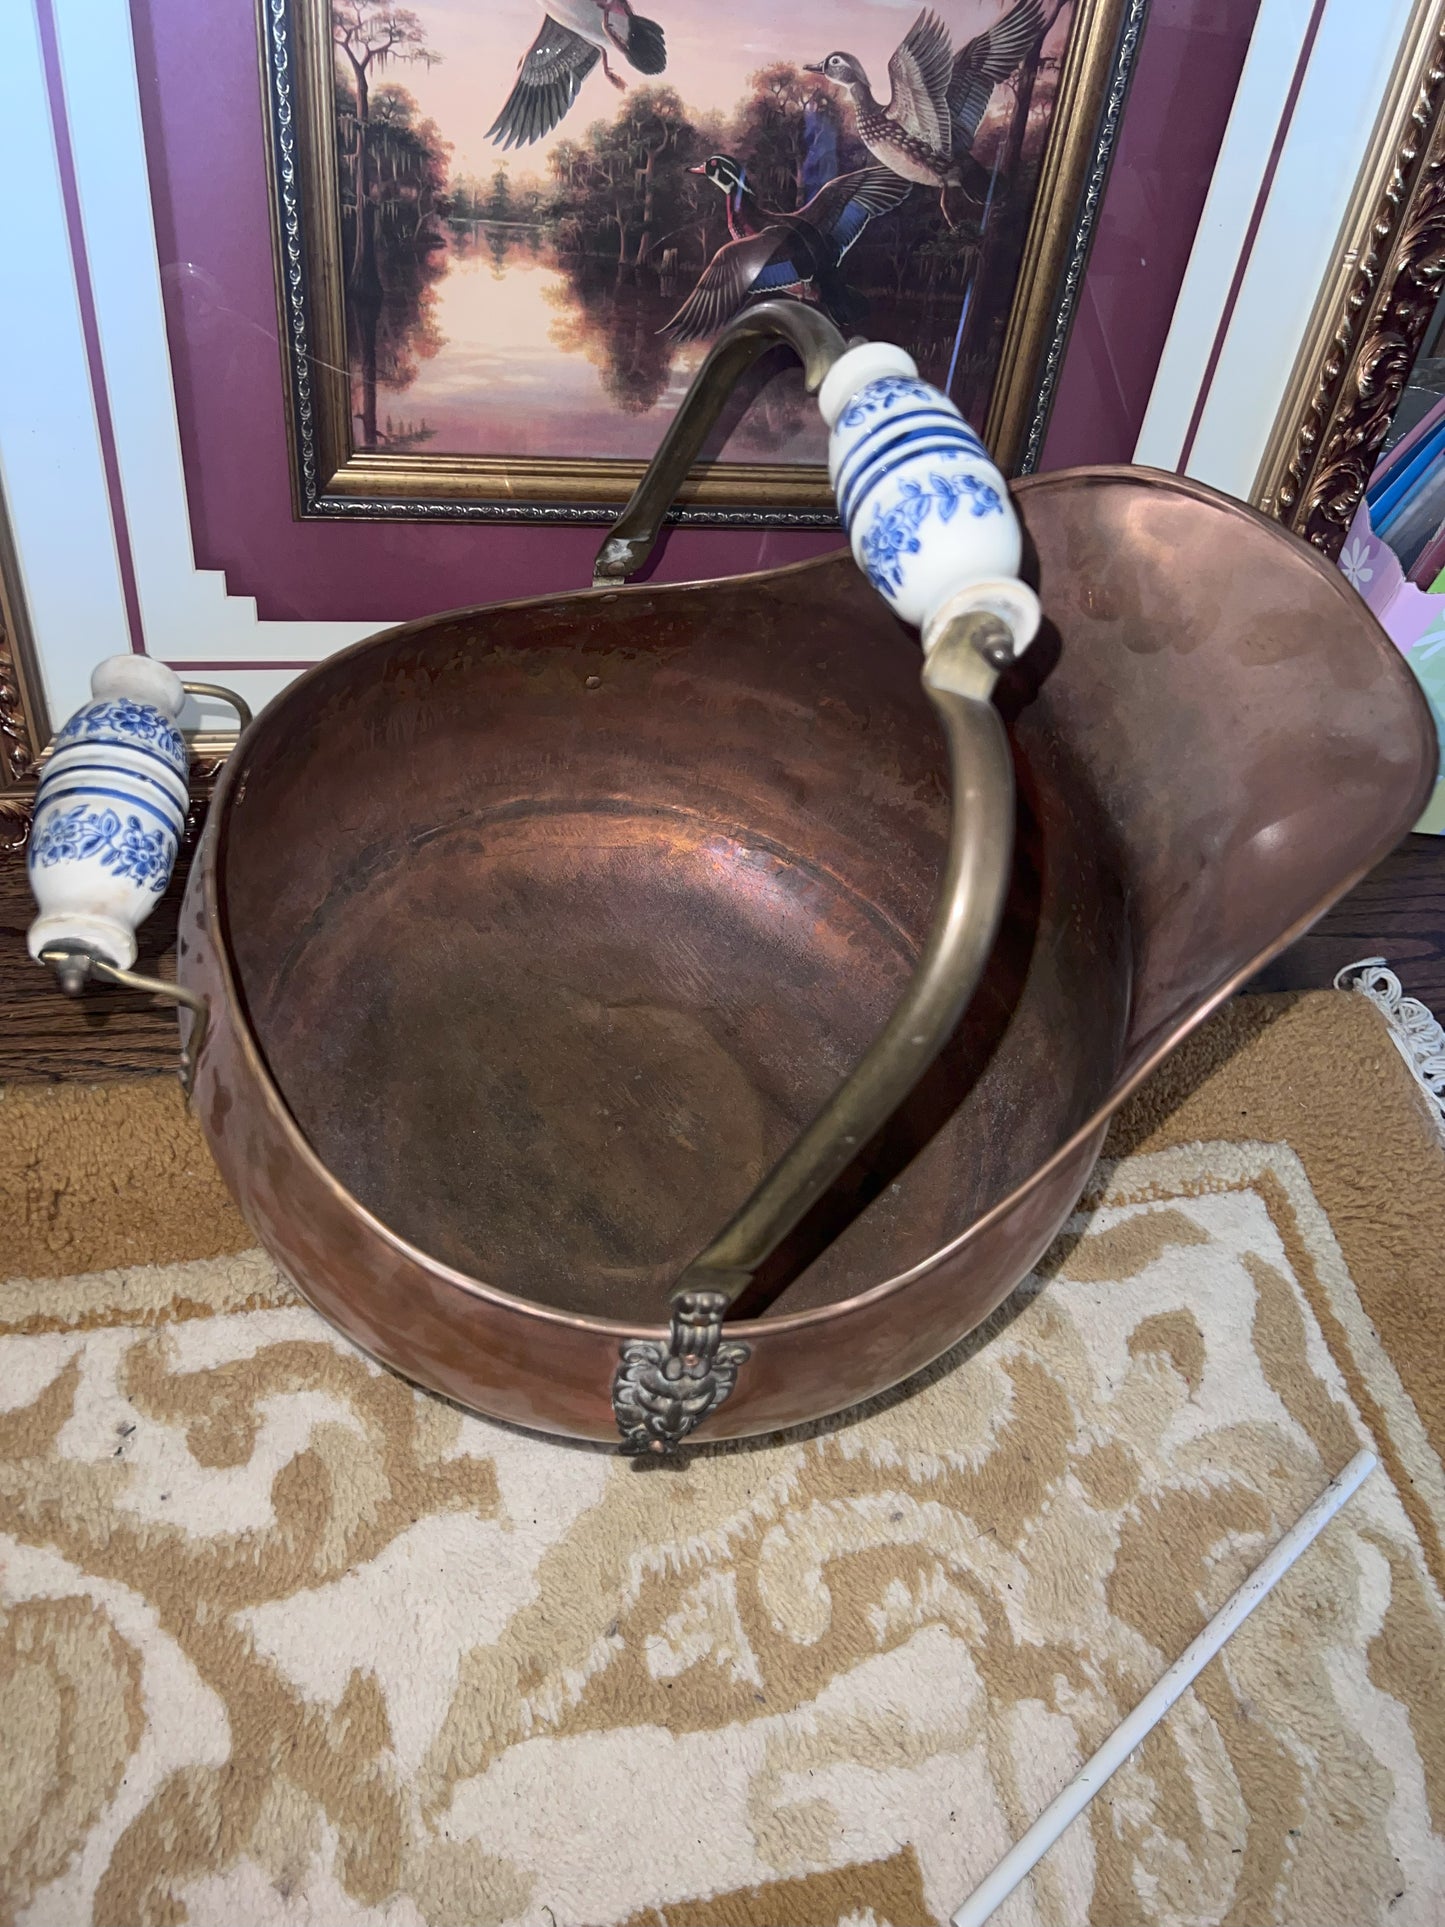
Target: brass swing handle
(753,334)
(959,679)
(913,483)
(660,1393)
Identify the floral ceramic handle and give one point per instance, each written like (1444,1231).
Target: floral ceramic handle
(927,514)
(109,816)
(110,812)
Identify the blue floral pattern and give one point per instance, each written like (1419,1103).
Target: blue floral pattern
(894,532)
(127,848)
(880,396)
(125,721)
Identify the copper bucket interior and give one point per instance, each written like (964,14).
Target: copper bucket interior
(554,923)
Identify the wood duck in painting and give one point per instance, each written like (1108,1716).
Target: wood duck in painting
(927,130)
(770,251)
(575,35)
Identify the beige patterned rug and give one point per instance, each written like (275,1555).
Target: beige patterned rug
(283,1641)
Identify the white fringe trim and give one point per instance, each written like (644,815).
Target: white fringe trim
(1419,1039)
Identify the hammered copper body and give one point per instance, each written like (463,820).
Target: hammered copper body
(532,934)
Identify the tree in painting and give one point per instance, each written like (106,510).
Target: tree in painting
(393,184)
(625,181)
(370,36)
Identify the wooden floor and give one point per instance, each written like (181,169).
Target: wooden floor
(1397,913)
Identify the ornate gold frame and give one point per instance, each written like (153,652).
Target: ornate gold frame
(1372,312)
(331,479)
(24,721)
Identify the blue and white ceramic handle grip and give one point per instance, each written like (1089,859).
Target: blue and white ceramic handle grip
(928,515)
(110,813)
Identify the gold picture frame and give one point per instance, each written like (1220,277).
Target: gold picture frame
(24,720)
(333,478)
(1371,315)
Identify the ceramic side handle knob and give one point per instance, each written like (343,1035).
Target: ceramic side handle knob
(109,812)
(927,513)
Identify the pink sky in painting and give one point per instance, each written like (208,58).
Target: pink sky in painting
(711,51)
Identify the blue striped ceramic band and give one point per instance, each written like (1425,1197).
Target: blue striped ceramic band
(903,448)
(62,769)
(117,739)
(172,821)
(881,435)
(936,410)
(871,447)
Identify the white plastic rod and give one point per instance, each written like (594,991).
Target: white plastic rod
(1151,1709)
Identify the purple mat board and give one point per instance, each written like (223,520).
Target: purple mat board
(1185,76)
(201,103)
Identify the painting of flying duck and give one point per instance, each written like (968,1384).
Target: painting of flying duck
(509,229)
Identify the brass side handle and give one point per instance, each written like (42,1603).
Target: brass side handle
(220,694)
(75,967)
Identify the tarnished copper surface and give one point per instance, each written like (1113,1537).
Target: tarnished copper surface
(532,934)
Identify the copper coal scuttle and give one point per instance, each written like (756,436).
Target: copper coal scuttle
(662,1013)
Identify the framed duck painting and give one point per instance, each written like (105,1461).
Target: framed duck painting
(507,230)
